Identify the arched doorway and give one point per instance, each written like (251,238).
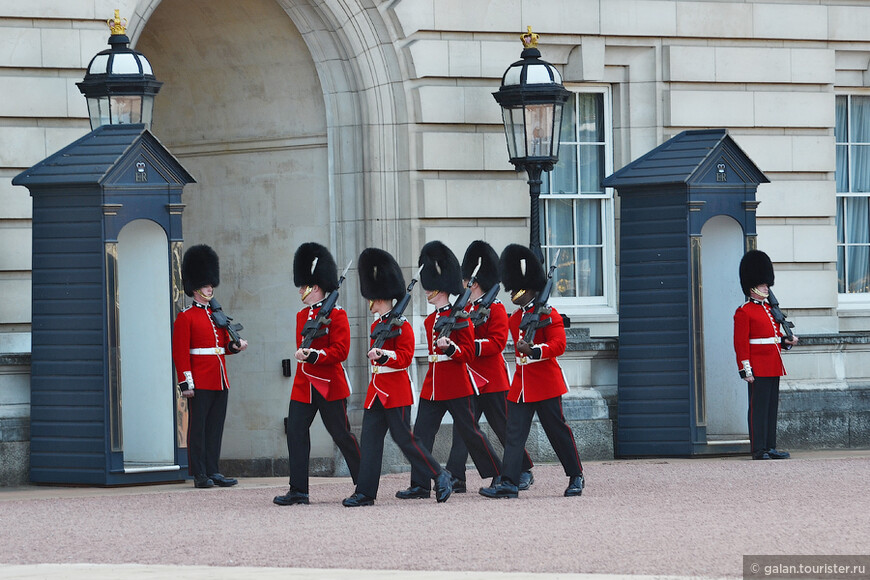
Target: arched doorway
(722,244)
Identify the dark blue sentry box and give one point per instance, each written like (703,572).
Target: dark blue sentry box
(687,215)
(107,244)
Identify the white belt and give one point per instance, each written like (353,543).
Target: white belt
(378,370)
(212,350)
(434,358)
(771,340)
(524,360)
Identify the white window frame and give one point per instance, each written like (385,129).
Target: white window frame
(593,308)
(850,300)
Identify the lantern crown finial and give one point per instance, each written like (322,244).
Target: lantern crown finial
(530,39)
(117,25)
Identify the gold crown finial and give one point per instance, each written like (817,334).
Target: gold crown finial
(116,24)
(530,39)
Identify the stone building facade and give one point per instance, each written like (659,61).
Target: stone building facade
(360,123)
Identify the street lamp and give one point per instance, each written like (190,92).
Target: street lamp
(119,84)
(531,97)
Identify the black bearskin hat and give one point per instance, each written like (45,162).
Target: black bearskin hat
(440,269)
(521,270)
(199,267)
(755,269)
(487,276)
(314,265)
(380,277)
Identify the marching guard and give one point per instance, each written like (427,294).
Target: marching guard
(321,382)
(389,398)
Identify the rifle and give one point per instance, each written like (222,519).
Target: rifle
(447,324)
(481,313)
(533,320)
(391,325)
(222,320)
(779,315)
(316,327)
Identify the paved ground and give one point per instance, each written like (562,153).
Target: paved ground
(639,518)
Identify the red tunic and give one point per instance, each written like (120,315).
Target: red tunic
(754,322)
(393,388)
(327,375)
(448,379)
(488,368)
(195,329)
(542,379)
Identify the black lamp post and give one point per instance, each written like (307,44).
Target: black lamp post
(119,85)
(531,98)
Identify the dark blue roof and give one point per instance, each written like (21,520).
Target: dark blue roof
(88,160)
(680,158)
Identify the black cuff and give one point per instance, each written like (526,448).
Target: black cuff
(476,349)
(537,352)
(312,357)
(383,360)
(785,345)
(450,350)
(182,386)
(232,349)
(743,374)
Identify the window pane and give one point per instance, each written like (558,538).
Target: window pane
(589,272)
(857,231)
(564,174)
(560,222)
(860,182)
(841,276)
(841,129)
(842,172)
(569,120)
(858,257)
(841,236)
(591,168)
(590,127)
(860,124)
(563,277)
(588,222)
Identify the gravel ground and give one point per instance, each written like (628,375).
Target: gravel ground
(663,517)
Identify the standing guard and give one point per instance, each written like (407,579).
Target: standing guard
(390,396)
(199,349)
(448,387)
(488,367)
(758,341)
(321,382)
(538,384)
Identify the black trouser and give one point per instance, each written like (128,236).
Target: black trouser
(494,406)
(207,411)
(376,422)
(558,431)
(429,415)
(334,417)
(763,407)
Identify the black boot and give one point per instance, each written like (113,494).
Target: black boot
(575,486)
(357,500)
(443,487)
(500,488)
(292,497)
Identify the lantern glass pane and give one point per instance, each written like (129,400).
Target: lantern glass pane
(512,76)
(538,74)
(539,130)
(514,132)
(557,129)
(98,111)
(147,109)
(126,109)
(98,65)
(125,64)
